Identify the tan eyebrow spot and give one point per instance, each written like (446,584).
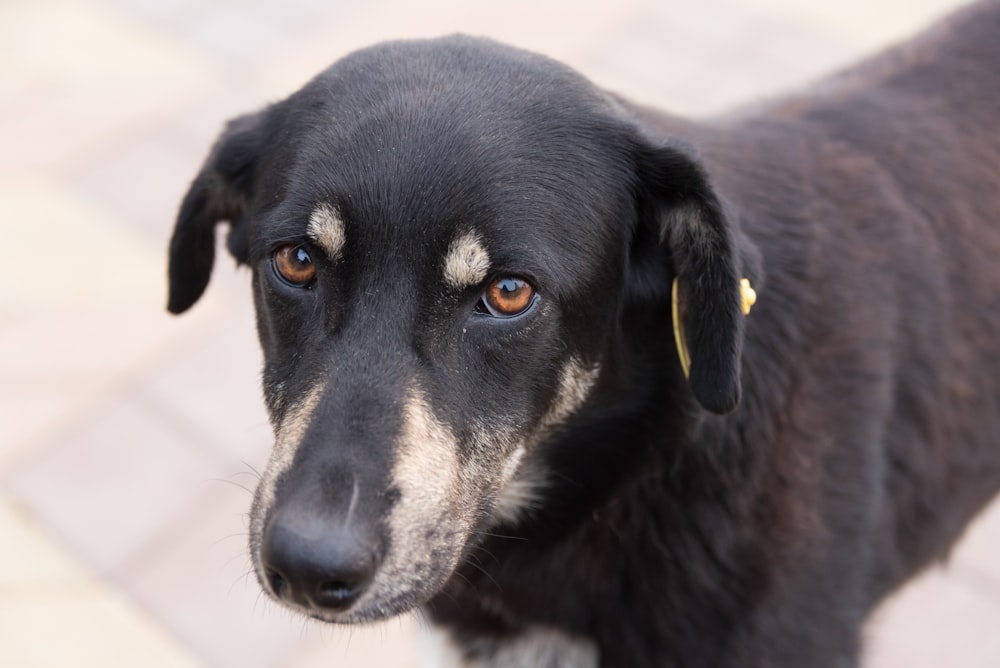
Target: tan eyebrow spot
(326,229)
(467,262)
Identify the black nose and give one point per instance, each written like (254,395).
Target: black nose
(314,565)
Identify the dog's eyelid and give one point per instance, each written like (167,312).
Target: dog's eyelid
(268,247)
(269,244)
(513,270)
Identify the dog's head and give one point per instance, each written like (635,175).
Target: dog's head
(443,236)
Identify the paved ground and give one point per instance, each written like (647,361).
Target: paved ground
(127,437)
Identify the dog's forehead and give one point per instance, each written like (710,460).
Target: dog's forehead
(429,111)
(447,67)
(417,148)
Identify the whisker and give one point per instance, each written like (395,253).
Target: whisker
(252,469)
(234,558)
(488,553)
(257,602)
(500,535)
(482,570)
(241,534)
(233,483)
(246,582)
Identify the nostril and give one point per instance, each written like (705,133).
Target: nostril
(276,581)
(340,589)
(336,594)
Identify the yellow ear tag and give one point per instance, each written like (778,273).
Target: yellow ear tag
(748,296)
(682,349)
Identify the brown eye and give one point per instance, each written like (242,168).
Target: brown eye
(507,297)
(294,266)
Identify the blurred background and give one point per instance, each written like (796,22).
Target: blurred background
(127,437)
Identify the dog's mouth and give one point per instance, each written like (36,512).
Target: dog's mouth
(333,575)
(375,604)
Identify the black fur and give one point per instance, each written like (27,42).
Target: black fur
(681,525)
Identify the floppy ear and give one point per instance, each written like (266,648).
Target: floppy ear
(684,210)
(220,192)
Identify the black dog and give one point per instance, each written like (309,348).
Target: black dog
(468,267)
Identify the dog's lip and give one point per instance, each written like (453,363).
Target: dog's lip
(357,615)
(374,610)
(325,616)
(320,617)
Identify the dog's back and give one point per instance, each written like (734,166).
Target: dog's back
(882,203)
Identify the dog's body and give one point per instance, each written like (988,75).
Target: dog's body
(544,480)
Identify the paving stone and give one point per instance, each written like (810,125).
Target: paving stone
(979,551)
(107,485)
(935,622)
(147,205)
(82,77)
(214,385)
(396,644)
(54,613)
